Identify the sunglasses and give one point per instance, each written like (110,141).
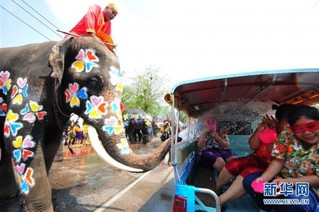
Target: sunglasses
(311,127)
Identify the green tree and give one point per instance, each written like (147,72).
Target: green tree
(146,91)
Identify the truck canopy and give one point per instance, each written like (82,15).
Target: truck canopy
(294,86)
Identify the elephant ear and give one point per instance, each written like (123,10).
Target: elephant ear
(56,58)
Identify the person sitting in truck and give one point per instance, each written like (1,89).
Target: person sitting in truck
(258,161)
(294,171)
(213,149)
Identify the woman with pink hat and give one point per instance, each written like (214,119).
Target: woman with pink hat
(214,152)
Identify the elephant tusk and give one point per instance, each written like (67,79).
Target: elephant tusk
(97,145)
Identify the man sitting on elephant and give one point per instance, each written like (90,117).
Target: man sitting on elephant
(97,23)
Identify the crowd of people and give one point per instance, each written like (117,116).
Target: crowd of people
(76,132)
(292,158)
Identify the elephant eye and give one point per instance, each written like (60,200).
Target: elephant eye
(94,82)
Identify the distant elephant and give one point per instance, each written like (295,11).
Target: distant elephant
(138,125)
(40,86)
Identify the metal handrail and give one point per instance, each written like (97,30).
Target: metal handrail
(208,191)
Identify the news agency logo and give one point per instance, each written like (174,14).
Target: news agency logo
(286,189)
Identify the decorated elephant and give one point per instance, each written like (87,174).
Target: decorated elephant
(40,86)
(138,125)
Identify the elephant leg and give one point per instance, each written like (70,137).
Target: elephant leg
(144,134)
(40,196)
(51,145)
(34,165)
(134,135)
(130,135)
(8,186)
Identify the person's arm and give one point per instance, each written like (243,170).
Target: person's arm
(202,143)
(267,122)
(253,141)
(272,170)
(219,140)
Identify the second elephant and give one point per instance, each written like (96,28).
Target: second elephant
(139,125)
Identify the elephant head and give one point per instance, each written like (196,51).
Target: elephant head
(89,85)
(41,85)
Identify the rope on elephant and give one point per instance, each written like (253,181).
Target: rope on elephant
(56,98)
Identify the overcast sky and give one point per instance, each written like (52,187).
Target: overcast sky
(186,39)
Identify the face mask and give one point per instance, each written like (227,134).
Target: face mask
(210,123)
(310,127)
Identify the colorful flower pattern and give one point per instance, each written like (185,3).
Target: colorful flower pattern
(73,94)
(116,107)
(26,181)
(20,145)
(85,60)
(96,107)
(124,147)
(20,91)
(35,112)
(23,147)
(3,107)
(11,127)
(5,81)
(115,78)
(113,125)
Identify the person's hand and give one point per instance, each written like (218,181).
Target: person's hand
(260,179)
(214,133)
(225,145)
(280,180)
(270,121)
(222,143)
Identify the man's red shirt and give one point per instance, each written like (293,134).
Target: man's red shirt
(92,22)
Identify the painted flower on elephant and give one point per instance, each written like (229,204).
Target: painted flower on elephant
(116,107)
(35,112)
(21,152)
(96,107)
(115,78)
(85,60)
(124,147)
(113,125)
(5,81)
(3,107)
(26,181)
(20,91)
(73,94)
(10,125)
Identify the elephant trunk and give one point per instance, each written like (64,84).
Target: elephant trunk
(118,153)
